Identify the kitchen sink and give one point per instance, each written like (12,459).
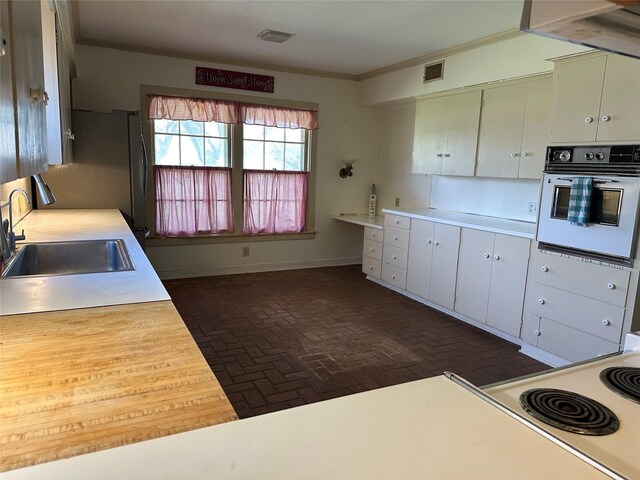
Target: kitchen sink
(70,258)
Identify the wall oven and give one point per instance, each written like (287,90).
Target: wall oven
(610,233)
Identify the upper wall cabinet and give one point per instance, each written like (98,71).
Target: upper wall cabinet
(515,129)
(597,99)
(446,134)
(8,165)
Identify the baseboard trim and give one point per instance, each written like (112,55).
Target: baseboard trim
(542,356)
(452,313)
(255,268)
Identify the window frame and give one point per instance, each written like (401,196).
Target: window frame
(237,169)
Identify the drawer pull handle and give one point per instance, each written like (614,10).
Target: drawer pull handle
(606,322)
(397,221)
(536,333)
(496,257)
(514,154)
(395,237)
(541,301)
(428,242)
(395,257)
(588,120)
(611,286)
(486,255)
(605,118)
(373,250)
(545,269)
(435,242)
(393,277)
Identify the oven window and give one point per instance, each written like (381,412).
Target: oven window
(605,205)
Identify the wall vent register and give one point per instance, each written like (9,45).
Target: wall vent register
(433,71)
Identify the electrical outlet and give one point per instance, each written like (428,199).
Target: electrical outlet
(245,251)
(397,201)
(533,208)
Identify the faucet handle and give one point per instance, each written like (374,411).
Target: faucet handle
(19,237)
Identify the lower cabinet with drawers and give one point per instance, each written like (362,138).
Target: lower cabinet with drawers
(372,251)
(576,309)
(395,251)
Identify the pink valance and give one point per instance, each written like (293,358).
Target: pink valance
(225,111)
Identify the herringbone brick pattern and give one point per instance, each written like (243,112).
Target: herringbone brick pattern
(277,340)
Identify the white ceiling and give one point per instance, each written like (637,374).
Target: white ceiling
(346,37)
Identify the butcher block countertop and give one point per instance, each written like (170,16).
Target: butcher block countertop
(79,381)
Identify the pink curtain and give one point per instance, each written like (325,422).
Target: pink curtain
(274,201)
(224,111)
(192,200)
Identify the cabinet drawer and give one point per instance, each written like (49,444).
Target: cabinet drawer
(571,344)
(372,249)
(582,313)
(394,275)
(396,237)
(396,221)
(589,279)
(395,256)
(371,267)
(374,234)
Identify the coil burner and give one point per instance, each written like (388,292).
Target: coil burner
(625,381)
(569,411)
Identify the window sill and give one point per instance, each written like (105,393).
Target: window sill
(225,238)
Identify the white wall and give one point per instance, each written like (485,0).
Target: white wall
(110,79)
(520,56)
(20,206)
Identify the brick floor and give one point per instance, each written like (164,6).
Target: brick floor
(277,340)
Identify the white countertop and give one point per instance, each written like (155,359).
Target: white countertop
(376,221)
(62,292)
(431,428)
(515,228)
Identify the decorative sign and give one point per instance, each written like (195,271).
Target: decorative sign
(215,77)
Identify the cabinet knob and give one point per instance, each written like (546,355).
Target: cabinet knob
(438,155)
(514,154)
(486,255)
(536,333)
(606,322)
(447,155)
(395,257)
(545,269)
(395,237)
(588,120)
(4,44)
(541,301)
(525,154)
(436,242)
(397,221)
(373,250)
(611,286)
(428,242)
(393,277)
(68,135)
(605,118)
(370,267)
(39,95)
(496,257)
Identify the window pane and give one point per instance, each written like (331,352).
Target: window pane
(273,133)
(215,129)
(274,156)
(167,150)
(253,132)
(253,155)
(189,127)
(293,159)
(192,150)
(215,152)
(165,126)
(295,134)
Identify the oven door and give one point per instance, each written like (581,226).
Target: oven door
(612,219)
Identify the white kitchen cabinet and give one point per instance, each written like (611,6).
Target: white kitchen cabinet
(446,134)
(515,129)
(50,64)
(433,260)
(8,164)
(492,270)
(597,99)
(372,252)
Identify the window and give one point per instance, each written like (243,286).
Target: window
(200,145)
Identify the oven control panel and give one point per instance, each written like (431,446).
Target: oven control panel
(623,157)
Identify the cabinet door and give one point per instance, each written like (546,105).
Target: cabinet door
(444,265)
(26,33)
(500,137)
(619,117)
(536,131)
(8,165)
(461,134)
(54,137)
(474,273)
(428,136)
(420,252)
(508,279)
(578,93)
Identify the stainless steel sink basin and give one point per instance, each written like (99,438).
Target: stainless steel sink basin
(70,258)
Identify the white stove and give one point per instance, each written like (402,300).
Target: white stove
(616,448)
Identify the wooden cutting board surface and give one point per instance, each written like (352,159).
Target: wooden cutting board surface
(78,381)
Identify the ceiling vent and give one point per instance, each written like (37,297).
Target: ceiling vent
(433,71)
(275,36)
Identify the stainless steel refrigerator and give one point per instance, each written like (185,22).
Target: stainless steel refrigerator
(109,168)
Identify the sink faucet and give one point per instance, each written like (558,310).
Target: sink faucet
(7,235)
